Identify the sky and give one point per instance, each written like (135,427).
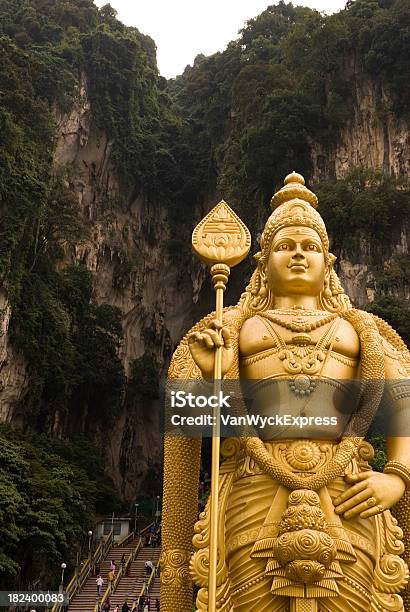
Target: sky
(182,29)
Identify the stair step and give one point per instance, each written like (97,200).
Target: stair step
(129,586)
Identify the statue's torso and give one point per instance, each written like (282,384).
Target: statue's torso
(304,372)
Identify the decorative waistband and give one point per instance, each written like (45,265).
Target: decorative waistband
(304,457)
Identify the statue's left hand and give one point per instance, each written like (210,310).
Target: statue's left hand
(370,493)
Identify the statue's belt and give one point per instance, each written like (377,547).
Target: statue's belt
(303,457)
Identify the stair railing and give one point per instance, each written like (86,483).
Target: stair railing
(125,540)
(121,572)
(146,586)
(131,536)
(77,581)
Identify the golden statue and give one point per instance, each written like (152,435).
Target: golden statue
(304,524)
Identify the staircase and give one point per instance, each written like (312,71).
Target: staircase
(145,554)
(86,599)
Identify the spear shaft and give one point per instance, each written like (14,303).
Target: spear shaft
(220,273)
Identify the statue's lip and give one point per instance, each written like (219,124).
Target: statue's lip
(297,266)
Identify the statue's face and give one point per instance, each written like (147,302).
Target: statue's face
(296,264)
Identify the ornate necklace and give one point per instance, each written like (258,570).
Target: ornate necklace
(300,324)
(300,310)
(300,359)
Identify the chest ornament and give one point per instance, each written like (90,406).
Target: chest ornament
(302,360)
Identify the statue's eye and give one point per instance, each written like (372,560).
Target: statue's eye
(312,247)
(283,247)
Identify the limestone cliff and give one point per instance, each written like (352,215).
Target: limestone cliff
(373,136)
(235,114)
(127,252)
(13,375)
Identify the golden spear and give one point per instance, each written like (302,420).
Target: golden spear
(221,240)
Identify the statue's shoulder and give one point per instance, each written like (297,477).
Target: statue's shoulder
(396,353)
(389,335)
(361,319)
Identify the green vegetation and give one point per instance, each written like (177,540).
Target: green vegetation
(364,214)
(289,80)
(71,345)
(380,453)
(50,493)
(394,310)
(364,204)
(143,380)
(237,121)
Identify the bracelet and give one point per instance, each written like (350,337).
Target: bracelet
(395,467)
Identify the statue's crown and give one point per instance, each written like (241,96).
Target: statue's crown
(294,188)
(293,205)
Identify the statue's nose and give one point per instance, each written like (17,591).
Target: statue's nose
(298,252)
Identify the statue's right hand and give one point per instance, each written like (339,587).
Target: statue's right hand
(204,344)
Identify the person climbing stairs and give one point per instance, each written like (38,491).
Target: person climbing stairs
(142,578)
(86,599)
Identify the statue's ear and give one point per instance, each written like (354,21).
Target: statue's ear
(260,269)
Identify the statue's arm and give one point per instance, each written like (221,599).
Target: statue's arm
(385,489)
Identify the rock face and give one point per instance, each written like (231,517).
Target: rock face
(127,250)
(13,374)
(373,136)
(159,297)
(360,280)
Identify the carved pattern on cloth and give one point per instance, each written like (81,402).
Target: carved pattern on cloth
(199,564)
(249,584)
(304,553)
(296,456)
(358,587)
(391,574)
(400,389)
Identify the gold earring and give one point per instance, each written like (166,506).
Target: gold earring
(263,289)
(327,291)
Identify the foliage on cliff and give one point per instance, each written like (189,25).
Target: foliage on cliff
(365,213)
(239,119)
(287,81)
(70,344)
(45,47)
(50,492)
(368,205)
